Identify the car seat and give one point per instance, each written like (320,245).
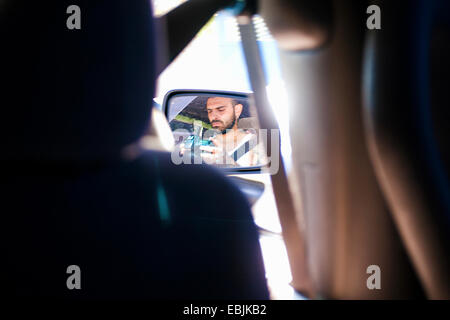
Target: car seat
(76,188)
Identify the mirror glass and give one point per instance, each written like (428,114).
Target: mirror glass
(217,129)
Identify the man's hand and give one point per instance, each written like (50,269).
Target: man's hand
(216,154)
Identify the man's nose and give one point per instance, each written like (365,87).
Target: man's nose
(214,116)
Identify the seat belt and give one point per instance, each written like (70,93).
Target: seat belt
(244,149)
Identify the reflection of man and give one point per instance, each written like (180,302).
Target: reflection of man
(231,145)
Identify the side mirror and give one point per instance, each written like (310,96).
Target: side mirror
(215,127)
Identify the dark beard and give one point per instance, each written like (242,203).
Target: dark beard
(224,131)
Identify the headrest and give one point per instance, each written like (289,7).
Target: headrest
(71,94)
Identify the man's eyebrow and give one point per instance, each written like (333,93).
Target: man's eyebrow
(209,108)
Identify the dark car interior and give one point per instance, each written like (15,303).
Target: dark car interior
(75,100)
(369,183)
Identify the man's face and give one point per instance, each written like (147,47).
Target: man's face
(221,113)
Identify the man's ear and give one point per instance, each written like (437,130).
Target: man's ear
(238,110)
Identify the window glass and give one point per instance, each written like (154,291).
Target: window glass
(213,60)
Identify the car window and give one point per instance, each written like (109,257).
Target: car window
(215,60)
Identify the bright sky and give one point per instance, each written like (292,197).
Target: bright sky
(161,7)
(213,60)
